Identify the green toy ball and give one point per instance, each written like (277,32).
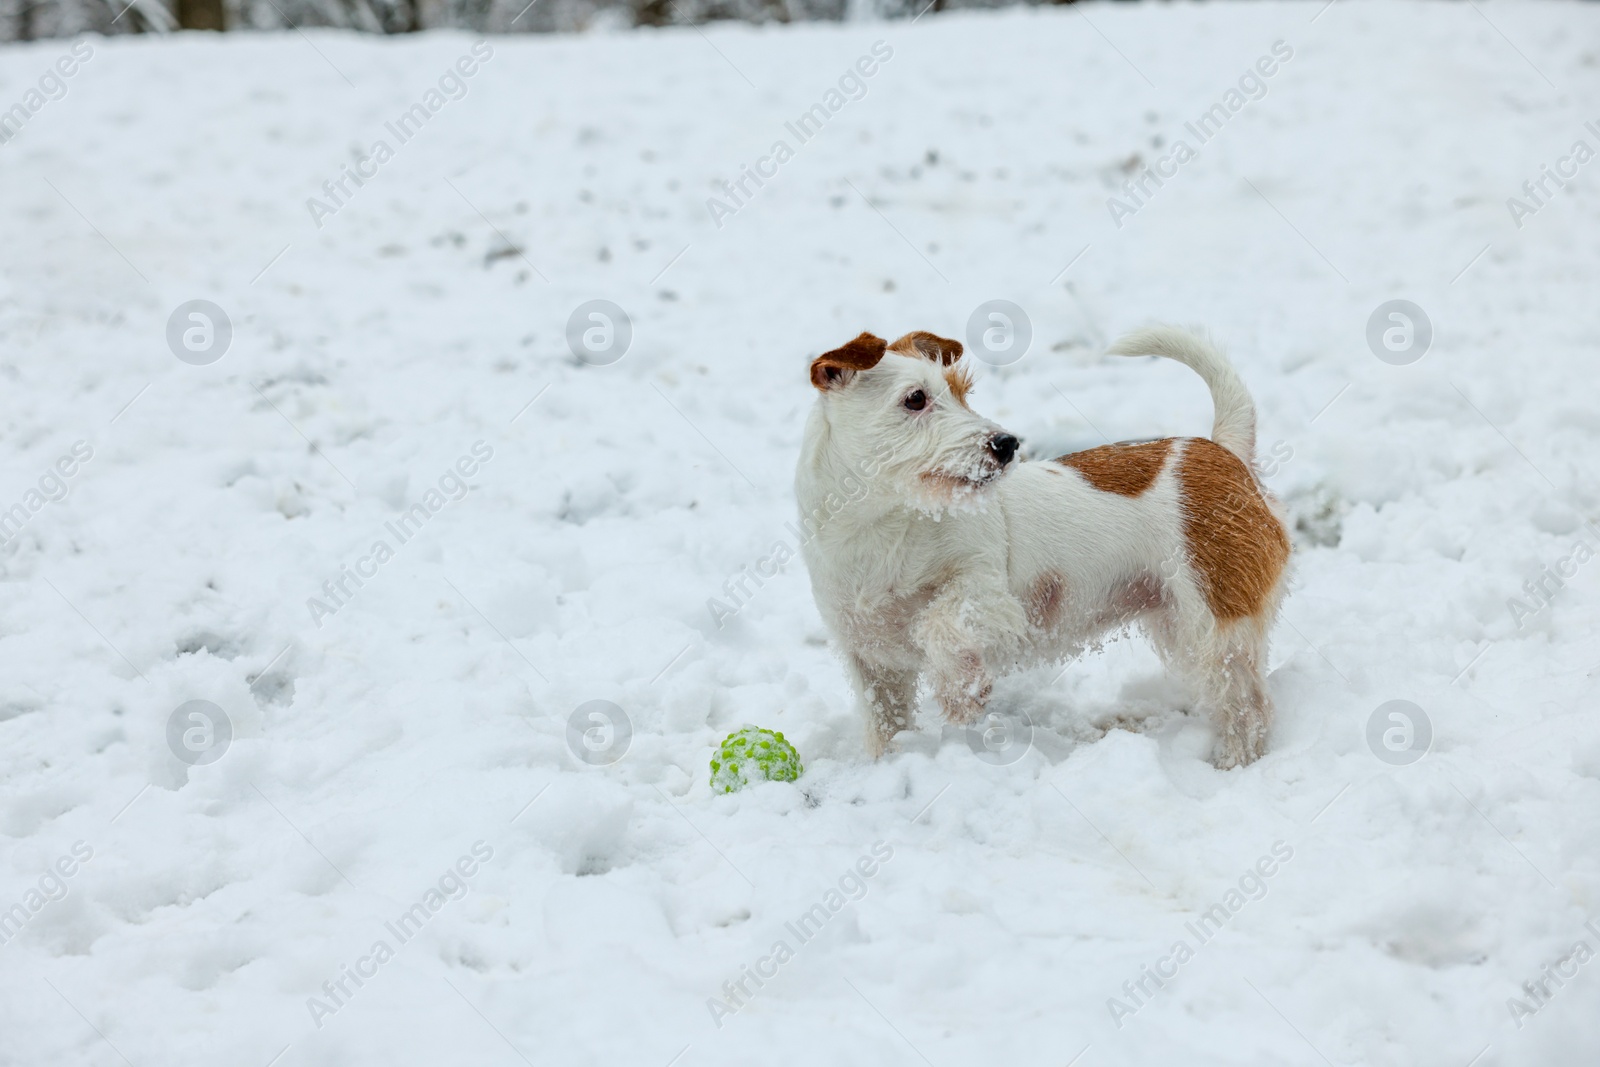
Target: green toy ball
(753,755)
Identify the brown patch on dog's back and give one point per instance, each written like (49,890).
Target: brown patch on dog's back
(1126,470)
(1237,545)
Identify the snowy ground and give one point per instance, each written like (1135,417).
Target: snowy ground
(377,748)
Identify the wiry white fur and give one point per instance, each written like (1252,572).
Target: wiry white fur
(936,581)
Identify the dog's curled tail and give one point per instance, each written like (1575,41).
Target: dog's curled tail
(1234,422)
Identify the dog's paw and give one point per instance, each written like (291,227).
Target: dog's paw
(1224,758)
(964,693)
(963,712)
(879,744)
(1234,752)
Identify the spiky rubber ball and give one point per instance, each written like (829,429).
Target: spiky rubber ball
(753,755)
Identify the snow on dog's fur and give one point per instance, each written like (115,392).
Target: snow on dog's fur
(960,563)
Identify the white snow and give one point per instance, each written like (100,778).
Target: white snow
(428,715)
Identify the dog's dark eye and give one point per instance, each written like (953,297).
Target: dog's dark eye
(916,401)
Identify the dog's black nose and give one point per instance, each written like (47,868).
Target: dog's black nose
(1004,446)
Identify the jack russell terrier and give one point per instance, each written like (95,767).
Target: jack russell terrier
(958,562)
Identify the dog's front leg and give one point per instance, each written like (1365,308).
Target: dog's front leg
(959,632)
(888,700)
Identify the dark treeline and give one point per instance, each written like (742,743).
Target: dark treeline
(26,20)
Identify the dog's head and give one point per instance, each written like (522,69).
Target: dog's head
(899,411)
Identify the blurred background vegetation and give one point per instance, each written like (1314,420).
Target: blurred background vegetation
(26,20)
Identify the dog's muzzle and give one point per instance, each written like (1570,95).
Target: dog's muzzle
(1003,447)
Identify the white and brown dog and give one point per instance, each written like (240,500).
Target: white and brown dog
(959,563)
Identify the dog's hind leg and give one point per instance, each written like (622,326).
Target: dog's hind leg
(1224,665)
(1236,692)
(888,700)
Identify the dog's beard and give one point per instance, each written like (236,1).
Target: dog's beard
(955,485)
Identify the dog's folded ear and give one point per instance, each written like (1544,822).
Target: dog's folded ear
(941,350)
(832,370)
